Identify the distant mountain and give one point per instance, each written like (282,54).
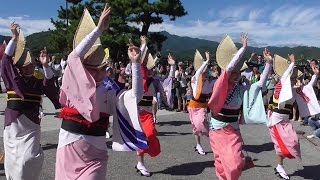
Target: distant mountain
(184,47)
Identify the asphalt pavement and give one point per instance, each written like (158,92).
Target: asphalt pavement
(178,160)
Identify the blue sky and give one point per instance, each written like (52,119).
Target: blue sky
(268,22)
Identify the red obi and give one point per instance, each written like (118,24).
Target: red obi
(74,122)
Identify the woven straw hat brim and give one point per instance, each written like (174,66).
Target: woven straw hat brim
(21,44)
(85,27)
(151,62)
(198,60)
(225,52)
(97,58)
(26,59)
(280,65)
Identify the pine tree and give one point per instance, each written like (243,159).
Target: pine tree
(127,16)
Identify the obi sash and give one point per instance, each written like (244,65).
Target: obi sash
(74,122)
(274,107)
(227,115)
(146,101)
(30,101)
(201,102)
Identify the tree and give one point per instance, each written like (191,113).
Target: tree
(127,16)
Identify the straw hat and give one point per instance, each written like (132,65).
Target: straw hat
(280,65)
(95,57)
(22,56)
(198,60)
(225,52)
(151,62)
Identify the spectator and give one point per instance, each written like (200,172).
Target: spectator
(260,62)
(56,69)
(271,84)
(181,87)
(314,122)
(255,73)
(63,63)
(190,70)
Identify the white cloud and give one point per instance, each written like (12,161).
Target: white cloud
(283,26)
(233,13)
(286,25)
(255,14)
(27,24)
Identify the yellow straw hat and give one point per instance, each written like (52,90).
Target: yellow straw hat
(22,56)
(280,65)
(151,62)
(225,52)
(198,60)
(95,57)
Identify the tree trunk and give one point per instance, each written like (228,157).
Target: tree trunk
(145,29)
(146,24)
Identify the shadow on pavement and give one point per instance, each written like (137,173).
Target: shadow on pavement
(173,123)
(171,134)
(308,172)
(49,146)
(259,148)
(193,168)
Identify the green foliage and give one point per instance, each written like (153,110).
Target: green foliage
(4,38)
(126,16)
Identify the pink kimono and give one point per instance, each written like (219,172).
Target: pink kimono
(225,137)
(283,135)
(83,155)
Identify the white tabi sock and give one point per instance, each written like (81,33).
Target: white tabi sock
(200,150)
(282,172)
(143,170)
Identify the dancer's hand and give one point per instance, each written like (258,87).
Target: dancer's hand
(291,58)
(171,61)
(143,39)
(208,55)
(14,29)
(267,55)
(315,70)
(104,20)
(244,39)
(134,53)
(44,57)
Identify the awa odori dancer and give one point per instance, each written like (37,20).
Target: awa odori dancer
(283,135)
(225,105)
(88,103)
(201,92)
(146,108)
(21,136)
(2,48)
(166,77)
